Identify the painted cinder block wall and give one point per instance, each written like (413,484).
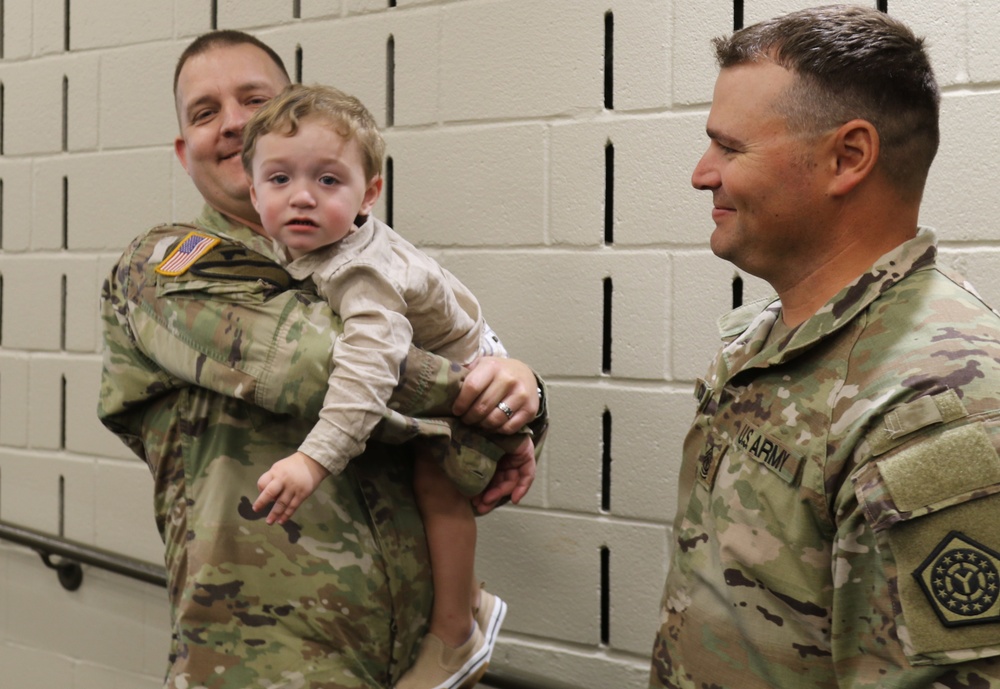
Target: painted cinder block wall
(551,180)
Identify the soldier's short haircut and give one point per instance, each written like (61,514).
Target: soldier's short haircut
(222,39)
(851,62)
(344,113)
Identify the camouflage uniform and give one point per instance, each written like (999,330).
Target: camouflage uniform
(210,376)
(840,495)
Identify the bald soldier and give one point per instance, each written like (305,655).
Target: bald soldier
(839,504)
(216,365)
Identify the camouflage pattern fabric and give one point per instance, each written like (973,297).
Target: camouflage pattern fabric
(840,492)
(212,375)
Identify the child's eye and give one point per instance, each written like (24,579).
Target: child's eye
(328,180)
(279,179)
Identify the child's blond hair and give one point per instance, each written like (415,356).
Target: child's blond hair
(344,113)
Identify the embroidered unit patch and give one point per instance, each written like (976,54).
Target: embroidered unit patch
(192,247)
(961,579)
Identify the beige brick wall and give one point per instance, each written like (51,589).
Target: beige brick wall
(499,140)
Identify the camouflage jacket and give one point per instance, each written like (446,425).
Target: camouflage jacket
(210,375)
(840,494)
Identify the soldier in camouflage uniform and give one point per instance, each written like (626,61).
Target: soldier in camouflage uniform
(837,524)
(216,365)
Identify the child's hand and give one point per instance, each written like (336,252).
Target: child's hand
(289,481)
(514,476)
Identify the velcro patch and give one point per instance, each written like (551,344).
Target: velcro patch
(192,247)
(961,579)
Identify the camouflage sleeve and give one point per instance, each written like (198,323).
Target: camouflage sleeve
(930,499)
(233,324)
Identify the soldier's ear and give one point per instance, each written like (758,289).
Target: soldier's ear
(855,150)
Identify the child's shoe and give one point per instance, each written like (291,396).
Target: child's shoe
(439,667)
(489,616)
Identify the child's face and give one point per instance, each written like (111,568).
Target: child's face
(309,187)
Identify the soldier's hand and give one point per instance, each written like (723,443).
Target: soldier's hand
(498,395)
(287,483)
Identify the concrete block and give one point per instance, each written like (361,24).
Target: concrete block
(961,178)
(32,303)
(982,49)
(653,200)
(15,205)
(641,54)
(13,393)
(647,428)
(548,569)
(547,307)
(49,27)
(18,20)
(759,10)
(693,59)
(356,6)
(640,307)
(123,510)
(107,23)
(702,292)
(82,290)
(33,107)
(637,562)
(326,9)
(245,14)
(29,489)
(191,18)
(506,59)
(95,185)
(458,205)
(82,89)
(140,75)
(48,386)
(946,31)
(349,54)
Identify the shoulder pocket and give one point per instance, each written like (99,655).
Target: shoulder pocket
(933,502)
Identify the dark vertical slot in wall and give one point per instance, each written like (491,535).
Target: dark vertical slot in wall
(605,595)
(390,82)
(737,292)
(3,25)
(392,3)
(62,506)
(65,113)
(609,193)
(882,5)
(606,461)
(606,339)
(298,64)
(62,315)
(609,61)
(2,112)
(1,310)
(737,15)
(62,415)
(1,214)
(387,188)
(296,9)
(214,13)
(66,25)
(65,212)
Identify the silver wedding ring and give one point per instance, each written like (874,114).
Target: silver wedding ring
(502,406)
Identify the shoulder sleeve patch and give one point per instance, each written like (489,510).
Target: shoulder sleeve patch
(192,247)
(960,579)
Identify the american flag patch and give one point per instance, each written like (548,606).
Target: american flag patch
(192,247)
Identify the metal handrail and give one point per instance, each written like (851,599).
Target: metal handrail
(74,553)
